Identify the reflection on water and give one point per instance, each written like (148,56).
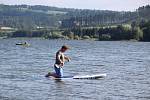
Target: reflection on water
(22,70)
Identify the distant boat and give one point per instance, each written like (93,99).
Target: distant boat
(4,37)
(23,44)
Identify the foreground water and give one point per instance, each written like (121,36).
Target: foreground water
(127,65)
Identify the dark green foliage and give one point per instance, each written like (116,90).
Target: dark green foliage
(111,33)
(25,17)
(104,37)
(22,33)
(146,36)
(96,18)
(75,23)
(3,34)
(54,35)
(121,33)
(146,30)
(144,12)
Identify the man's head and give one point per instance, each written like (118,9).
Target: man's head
(64,48)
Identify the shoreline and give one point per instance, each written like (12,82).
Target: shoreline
(92,39)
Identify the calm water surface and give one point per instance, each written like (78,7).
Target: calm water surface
(127,65)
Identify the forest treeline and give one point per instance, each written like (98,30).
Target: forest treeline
(95,18)
(53,22)
(25,17)
(137,31)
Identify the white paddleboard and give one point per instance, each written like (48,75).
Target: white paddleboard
(95,76)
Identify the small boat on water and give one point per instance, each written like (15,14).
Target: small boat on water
(4,37)
(23,44)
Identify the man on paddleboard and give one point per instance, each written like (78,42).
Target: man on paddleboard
(59,62)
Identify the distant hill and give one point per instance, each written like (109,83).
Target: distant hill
(144,12)
(29,17)
(25,17)
(105,17)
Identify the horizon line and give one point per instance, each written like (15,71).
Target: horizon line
(74,7)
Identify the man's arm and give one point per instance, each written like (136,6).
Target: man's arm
(67,58)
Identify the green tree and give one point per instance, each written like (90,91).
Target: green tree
(137,33)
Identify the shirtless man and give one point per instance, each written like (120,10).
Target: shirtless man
(59,63)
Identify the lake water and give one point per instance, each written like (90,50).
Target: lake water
(127,65)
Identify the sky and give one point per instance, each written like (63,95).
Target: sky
(116,5)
